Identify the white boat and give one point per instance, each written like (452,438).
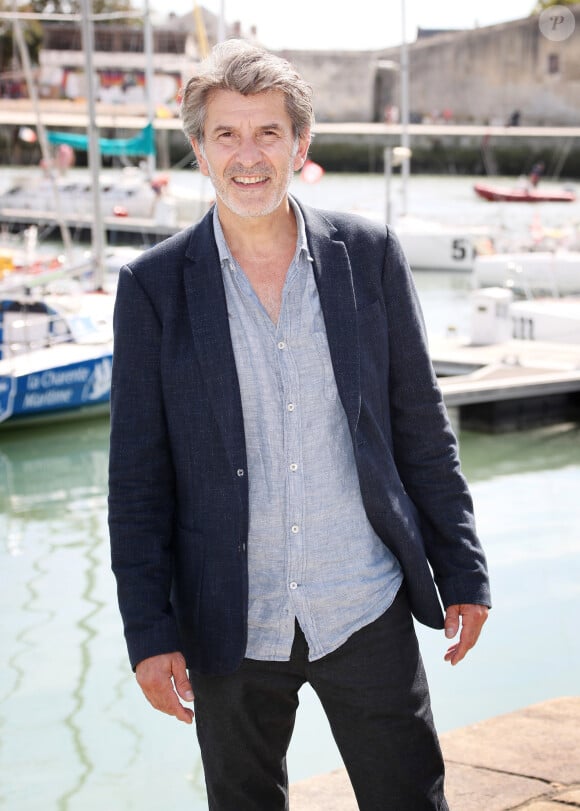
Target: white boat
(24,265)
(55,357)
(56,349)
(553,272)
(547,319)
(431,245)
(498,316)
(130,201)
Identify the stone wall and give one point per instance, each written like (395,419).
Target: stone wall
(480,76)
(342,81)
(485,74)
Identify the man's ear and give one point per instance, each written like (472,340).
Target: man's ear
(302,151)
(202,163)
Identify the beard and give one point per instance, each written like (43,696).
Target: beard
(266,200)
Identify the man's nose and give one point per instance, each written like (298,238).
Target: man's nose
(248,152)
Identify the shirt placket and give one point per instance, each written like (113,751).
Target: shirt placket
(288,356)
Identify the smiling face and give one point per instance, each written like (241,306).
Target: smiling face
(249,151)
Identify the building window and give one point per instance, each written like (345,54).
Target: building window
(553,63)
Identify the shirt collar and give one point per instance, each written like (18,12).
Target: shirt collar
(301,241)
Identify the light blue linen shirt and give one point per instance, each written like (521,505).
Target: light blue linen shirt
(312,553)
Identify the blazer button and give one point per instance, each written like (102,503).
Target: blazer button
(240,471)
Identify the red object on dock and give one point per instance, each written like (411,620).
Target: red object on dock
(523,194)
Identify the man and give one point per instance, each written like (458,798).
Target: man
(283,477)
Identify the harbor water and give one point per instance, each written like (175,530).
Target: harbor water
(76,733)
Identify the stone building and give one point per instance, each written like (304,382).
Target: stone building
(119,58)
(343,82)
(119,62)
(483,75)
(479,76)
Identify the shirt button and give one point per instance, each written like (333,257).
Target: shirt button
(293,467)
(291,406)
(295,528)
(281,344)
(240,471)
(293,585)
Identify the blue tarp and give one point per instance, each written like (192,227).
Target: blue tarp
(142,144)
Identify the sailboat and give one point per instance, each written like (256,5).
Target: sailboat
(134,201)
(56,358)
(56,350)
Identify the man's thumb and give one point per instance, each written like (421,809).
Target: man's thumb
(451,621)
(180,680)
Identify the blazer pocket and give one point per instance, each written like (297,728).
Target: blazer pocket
(369,312)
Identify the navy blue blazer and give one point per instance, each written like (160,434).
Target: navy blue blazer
(178,500)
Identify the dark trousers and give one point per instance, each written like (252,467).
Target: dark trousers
(375,695)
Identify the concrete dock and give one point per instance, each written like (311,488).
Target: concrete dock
(528,759)
(511,385)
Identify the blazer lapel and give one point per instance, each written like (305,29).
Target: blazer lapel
(207,307)
(333,276)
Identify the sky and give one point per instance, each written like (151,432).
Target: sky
(359,25)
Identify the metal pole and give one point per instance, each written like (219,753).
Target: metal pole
(149,77)
(405,167)
(42,139)
(94,151)
(221,34)
(388,172)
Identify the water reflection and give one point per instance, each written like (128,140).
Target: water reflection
(53,497)
(42,469)
(488,456)
(75,731)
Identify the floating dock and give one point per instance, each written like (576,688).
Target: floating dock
(507,386)
(127,230)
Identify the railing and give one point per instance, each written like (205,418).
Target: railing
(27,331)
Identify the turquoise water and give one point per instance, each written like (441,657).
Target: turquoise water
(75,732)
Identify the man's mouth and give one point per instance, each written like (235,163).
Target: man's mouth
(250,181)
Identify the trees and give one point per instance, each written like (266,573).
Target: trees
(542,5)
(32,36)
(73,6)
(32,29)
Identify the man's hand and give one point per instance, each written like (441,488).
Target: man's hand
(471,619)
(163,678)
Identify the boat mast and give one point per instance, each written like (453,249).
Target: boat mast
(221,32)
(149,78)
(42,138)
(94,150)
(405,165)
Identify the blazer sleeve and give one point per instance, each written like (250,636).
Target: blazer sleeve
(425,447)
(141,477)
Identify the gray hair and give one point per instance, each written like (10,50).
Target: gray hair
(236,65)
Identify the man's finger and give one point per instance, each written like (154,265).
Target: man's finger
(451,621)
(472,620)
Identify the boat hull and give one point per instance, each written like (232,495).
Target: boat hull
(522,195)
(556,272)
(79,387)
